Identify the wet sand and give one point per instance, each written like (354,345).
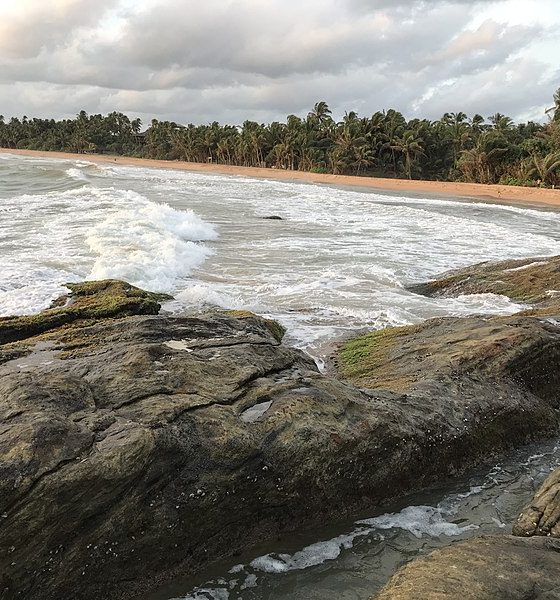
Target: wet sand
(490,193)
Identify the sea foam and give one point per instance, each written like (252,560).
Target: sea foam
(151,245)
(49,239)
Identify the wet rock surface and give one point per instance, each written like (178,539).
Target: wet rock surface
(131,447)
(529,280)
(462,359)
(484,568)
(542,515)
(517,350)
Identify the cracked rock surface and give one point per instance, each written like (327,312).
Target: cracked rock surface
(542,515)
(134,446)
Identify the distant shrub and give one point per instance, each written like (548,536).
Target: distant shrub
(510,180)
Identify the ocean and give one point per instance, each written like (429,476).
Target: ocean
(338,261)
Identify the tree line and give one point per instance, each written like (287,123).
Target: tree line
(453,148)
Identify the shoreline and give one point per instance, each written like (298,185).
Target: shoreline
(493,193)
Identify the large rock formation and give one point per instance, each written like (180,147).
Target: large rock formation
(461,359)
(134,446)
(483,568)
(488,567)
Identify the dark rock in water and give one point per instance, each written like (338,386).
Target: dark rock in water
(529,280)
(484,568)
(134,447)
(273,218)
(542,515)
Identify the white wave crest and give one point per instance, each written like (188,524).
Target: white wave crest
(76,174)
(148,244)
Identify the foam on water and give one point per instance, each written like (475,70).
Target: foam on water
(340,261)
(148,244)
(87,232)
(420,520)
(491,499)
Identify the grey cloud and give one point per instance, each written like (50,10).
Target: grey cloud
(252,59)
(44,24)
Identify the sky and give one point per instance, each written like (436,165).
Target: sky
(198,61)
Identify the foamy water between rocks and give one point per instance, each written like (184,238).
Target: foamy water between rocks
(337,262)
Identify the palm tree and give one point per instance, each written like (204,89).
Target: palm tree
(480,163)
(500,122)
(547,168)
(321,113)
(459,134)
(555,110)
(410,147)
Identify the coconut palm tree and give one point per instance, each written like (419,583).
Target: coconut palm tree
(410,147)
(555,110)
(546,168)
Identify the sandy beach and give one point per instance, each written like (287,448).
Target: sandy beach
(490,193)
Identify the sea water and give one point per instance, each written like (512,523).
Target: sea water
(339,261)
(353,560)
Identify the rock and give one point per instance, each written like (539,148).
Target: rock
(136,447)
(88,300)
(484,568)
(542,515)
(465,359)
(530,280)
(277,330)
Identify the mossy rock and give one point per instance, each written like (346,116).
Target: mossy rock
(89,300)
(276,329)
(459,353)
(366,360)
(529,280)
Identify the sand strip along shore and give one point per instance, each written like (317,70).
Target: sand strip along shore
(489,193)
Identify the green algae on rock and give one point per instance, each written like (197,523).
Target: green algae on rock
(528,280)
(89,300)
(447,352)
(366,360)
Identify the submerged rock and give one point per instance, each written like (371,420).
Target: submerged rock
(484,568)
(542,515)
(135,447)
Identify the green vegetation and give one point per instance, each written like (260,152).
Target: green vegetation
(454,148)
(367,360)
(278,331)
(91,300)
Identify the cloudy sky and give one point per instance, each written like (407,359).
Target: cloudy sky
(231,60)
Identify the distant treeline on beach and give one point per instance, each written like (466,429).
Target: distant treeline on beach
(454,148)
